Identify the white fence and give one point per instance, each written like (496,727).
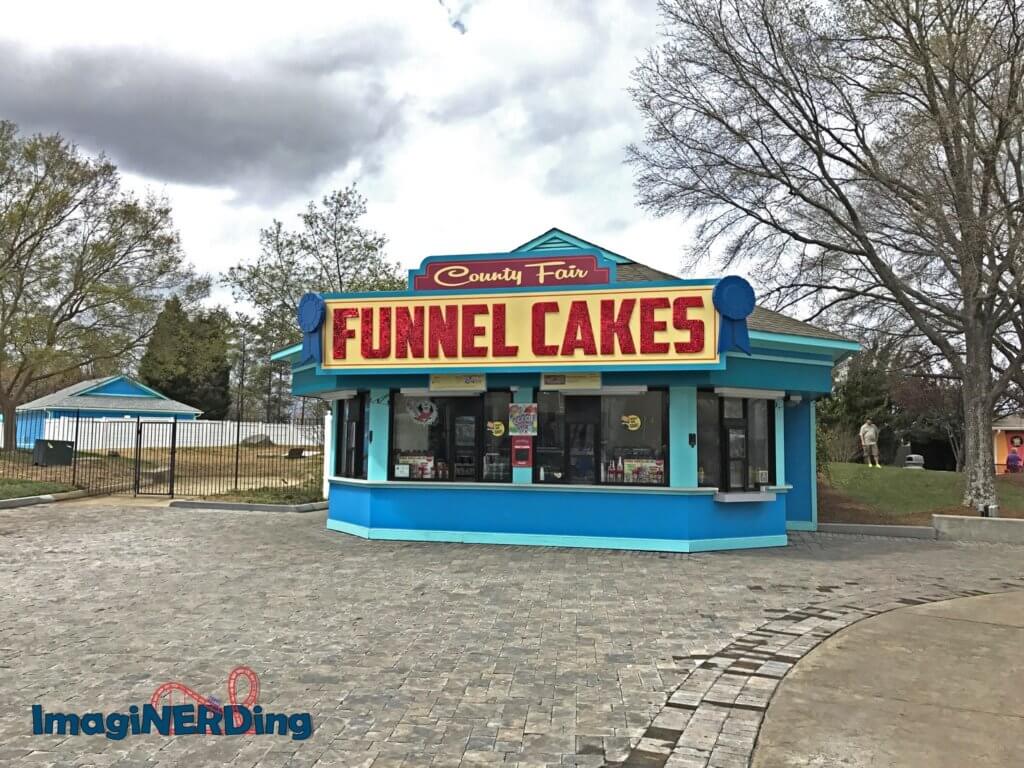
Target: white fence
(111,434)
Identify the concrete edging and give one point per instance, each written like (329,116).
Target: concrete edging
(45,498)
(995,530)
(863,529)
(240,506)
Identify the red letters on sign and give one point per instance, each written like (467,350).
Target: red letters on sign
(409,332)
(579,334)
(470,330)
(616,326)
(650,326)
(444,331)
(539,312)
(501,349)
(684,323)
(383,348)
(342,332)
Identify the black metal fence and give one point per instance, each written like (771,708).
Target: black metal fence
(165,457)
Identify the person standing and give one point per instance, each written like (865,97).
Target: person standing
(869,443)
(1013,462)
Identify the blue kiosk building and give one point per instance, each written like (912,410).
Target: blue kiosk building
(561,394)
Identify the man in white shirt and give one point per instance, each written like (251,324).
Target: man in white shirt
(869,443)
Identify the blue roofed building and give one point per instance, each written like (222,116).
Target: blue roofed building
(111,397)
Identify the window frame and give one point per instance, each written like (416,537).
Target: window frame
(723,427)
(599,444)
(478,399)
(360,450)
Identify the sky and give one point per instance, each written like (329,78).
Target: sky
(470,125)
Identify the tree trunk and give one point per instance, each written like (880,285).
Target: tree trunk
(10,426)
(979,466)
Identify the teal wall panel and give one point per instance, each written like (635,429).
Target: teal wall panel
(682,421)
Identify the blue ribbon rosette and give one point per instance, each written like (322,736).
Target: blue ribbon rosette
(311,317)
(733,297)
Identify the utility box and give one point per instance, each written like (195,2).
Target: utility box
(53,453)
(913,461)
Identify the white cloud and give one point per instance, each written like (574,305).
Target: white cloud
(499,133)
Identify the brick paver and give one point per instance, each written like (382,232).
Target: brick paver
(419,654)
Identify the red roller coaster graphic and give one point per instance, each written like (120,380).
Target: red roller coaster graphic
(168,690)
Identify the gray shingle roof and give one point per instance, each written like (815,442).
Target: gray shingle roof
(766,320)
(67,398)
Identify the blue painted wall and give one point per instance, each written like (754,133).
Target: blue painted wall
(801,472)
(795,377)
(658,521)
(29,428)
(122,387)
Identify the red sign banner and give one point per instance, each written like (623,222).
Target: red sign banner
(523,272)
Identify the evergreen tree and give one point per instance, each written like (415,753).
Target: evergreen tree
(187,359)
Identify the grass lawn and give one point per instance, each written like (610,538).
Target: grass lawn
(272,495)
(891,495)
(14,489)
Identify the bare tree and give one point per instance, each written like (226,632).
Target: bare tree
(865,153)
(84,267)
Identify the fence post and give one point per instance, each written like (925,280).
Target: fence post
(74,451)
(174,445)
(238,446)
(138,453)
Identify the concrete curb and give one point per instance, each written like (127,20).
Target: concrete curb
(994,530)
(243,507)
(899,531)
(46,498)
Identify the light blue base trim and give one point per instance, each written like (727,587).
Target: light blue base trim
(543,540)
(801,525)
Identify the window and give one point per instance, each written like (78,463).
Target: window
(497,465)
(709,440)
(461,439)
(602,440)
(549,445)
(350,437)
(633,439)
(735,441)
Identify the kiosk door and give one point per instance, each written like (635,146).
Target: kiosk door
(582,417)
(465,438)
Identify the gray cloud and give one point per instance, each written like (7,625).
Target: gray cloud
(266,132)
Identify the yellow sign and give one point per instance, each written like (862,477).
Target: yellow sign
(632,422)
(454,382)
(558,381)
(673,325)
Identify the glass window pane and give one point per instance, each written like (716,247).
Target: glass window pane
(581,452)
(737,443)
(736,474)
(549,445)
(759,443)
(732,408)
(633,439)
(709,452)
(419,439)
(350,437)
(497,464)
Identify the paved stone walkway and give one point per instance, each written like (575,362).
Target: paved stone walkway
(940,685)
(406,654)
